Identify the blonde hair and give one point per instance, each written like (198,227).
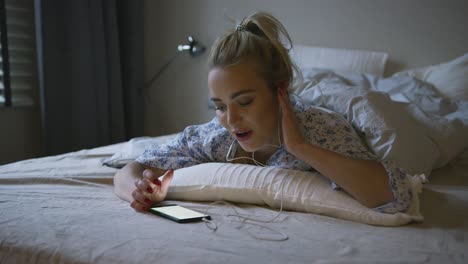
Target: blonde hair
(258,39)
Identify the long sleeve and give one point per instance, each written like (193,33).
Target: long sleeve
(195,145)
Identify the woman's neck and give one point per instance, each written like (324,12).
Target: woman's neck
(261,156)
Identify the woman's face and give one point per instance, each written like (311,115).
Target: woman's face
(245,105)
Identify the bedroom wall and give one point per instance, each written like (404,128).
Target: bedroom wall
(414,33)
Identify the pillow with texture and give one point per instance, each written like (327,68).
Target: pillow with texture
(450,78)
(342,60)
(298,190)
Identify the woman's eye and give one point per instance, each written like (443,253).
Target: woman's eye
(245,102)
(220,108)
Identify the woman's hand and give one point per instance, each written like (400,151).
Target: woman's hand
(150,190)
(292,135)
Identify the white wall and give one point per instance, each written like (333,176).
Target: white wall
(414,33)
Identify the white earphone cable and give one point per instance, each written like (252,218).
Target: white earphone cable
(243,219)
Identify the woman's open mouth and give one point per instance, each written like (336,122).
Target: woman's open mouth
(244,135)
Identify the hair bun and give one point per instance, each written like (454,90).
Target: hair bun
(267,44)
(254,29)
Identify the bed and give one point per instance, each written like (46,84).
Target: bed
(62,209)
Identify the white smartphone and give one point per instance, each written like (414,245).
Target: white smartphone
(178,213)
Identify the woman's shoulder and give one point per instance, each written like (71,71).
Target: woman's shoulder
(211,139)
(319,120)
(212,130)
(306,110)
(212,126)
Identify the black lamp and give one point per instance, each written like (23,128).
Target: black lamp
(193,48)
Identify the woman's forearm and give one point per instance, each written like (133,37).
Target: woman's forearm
(365,180)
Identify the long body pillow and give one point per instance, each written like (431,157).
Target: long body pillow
(299,191)
(400,118)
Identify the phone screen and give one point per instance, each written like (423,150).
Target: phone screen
(178,213)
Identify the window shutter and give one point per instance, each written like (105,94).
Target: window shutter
(20,51)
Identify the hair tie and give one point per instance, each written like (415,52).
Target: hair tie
(240,27)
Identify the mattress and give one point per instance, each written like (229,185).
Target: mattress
(62,209)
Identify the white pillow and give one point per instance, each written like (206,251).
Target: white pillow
(343,60)
(300,191)
(450,78)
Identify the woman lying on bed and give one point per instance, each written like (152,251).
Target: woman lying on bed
(258,123)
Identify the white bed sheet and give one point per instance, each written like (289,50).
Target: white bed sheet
(62,209)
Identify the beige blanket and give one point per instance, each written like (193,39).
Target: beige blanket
(62,209)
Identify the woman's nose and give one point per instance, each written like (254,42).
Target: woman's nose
(233,117)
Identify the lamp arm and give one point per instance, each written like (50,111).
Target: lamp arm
(194,49)
(161,70)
